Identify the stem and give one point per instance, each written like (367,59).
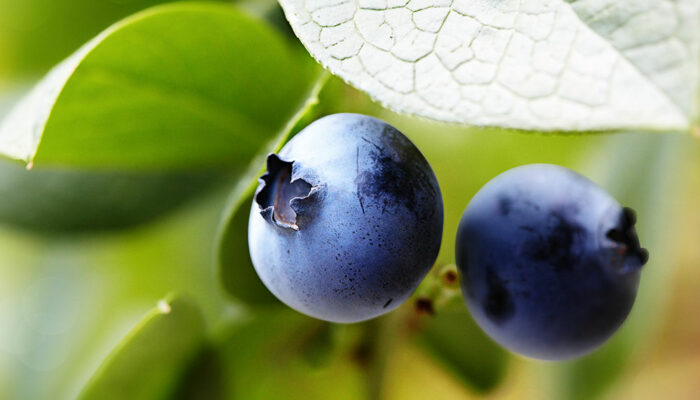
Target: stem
(439,289)
(382,335)
(380,339)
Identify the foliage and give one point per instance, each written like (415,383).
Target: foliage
(170,109)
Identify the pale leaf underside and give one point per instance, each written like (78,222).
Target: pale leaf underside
(548,65)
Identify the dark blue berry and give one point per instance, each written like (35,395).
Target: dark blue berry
(549,261)
(347,220)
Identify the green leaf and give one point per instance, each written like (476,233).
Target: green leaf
(67,200)
(204,378)
(59,200)
(37,34)
(177,86)
(266,357)
(455,340)
(75,199)
(234,265)
(233,260)
(149,361)
(65,303)
(540,65)
(249,355)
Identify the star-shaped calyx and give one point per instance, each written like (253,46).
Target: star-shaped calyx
(627,252)
(277,190)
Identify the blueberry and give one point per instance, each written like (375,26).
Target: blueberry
(347,220)
(549,261)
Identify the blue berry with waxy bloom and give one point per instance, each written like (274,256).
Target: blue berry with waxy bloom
(549,261)
(347,221)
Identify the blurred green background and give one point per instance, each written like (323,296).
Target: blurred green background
(70,291)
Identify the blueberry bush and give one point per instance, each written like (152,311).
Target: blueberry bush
(133,135)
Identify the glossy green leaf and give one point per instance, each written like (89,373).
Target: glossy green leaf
(37,34)
(233,260)
(59,200)
(69,199)
(176,86)
(53,201)
(150,360)
(455,340)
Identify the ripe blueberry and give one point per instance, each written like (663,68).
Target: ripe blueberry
(347,220)
(549,261)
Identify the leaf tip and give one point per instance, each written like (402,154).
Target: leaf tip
(164,307)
